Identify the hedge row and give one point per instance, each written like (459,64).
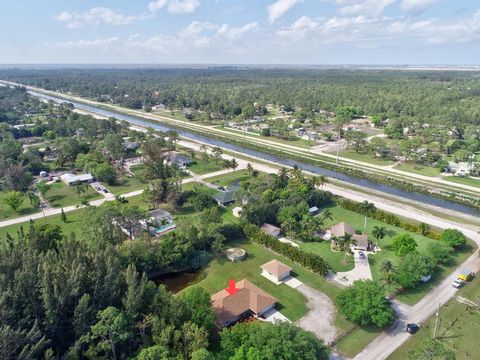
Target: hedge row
(310,261)
(369,210)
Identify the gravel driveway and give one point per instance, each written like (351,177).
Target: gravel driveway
(320,319)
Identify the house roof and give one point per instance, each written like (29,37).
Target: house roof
(276,268)
(71,178)
(248,297)
(224,196)
(131,145)
(179,159)
(360,240)
(270,229)
(340,229)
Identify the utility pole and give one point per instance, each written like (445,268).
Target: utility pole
(365,225)
(338,146)
(437,322)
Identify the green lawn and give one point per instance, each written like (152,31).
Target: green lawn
(7,213)
(458,330)
(368,158)
(463,180)
(70,226)
(228,178)
(418,169)
(334,259)
(201,166)
(61,195)
(126,184)
(357,340)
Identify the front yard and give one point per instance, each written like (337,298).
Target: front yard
(61,195)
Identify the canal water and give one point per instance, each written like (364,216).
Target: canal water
(387,189)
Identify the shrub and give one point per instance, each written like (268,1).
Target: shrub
(454,238)
(309,260)
(403,244)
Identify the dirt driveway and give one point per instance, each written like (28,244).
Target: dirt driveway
(321,317)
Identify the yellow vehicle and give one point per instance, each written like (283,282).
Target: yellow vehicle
(465,275)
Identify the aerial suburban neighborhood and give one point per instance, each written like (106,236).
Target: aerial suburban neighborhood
(213,180)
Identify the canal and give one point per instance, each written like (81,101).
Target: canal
(387,189)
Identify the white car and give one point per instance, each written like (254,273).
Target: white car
(458,283)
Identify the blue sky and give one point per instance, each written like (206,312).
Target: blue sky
(240,31)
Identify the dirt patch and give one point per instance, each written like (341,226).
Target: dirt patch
(321,317)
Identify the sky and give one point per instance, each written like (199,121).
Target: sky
(313,32)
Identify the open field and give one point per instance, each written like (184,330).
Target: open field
(463,180)
(201,166)
(227,179)
(368,158)
(418,169)
(61,195)
(7,213)
(458,330)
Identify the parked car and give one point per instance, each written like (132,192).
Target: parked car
(361,254)
(458,283)
(412,328)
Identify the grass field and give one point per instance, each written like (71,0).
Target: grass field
(61,195)
(25,209)
(368,158)
(201,166)
(458,330)
(463,180)
(418,169)
(228,178)
(334,259)
(72,224)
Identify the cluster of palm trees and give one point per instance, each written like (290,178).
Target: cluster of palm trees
(345,242)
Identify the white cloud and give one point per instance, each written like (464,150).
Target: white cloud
(363,7)
(416,6)
(103,44)
(97,16)
(277,9)
(197,37)
(381,31)
(175,6)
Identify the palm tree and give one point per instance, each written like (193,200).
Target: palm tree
(249,169)
(233,164)
(379,233)
(345,242)
(388,273)
(327,215)
(320,181)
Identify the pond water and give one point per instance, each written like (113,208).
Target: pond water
(176,282)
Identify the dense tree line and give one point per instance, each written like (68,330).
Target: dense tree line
(433,97)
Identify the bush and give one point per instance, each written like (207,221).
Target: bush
(440,252)
(364,303)
(453,238)
(412,268)
(404,244)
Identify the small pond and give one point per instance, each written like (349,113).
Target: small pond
(176,282)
